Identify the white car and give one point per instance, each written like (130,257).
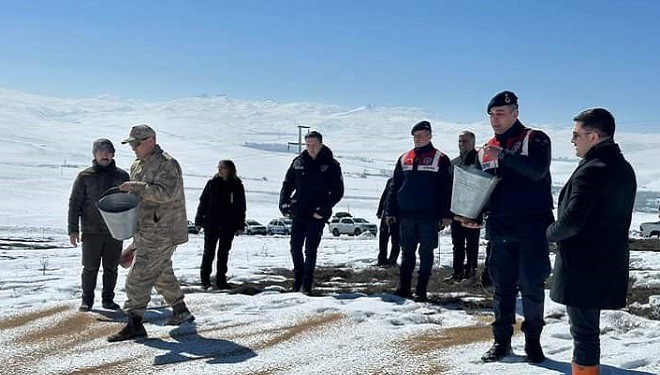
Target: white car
(254,227)
(280,226)
(650,229)
(353,226)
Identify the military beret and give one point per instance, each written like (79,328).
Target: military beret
(501,99)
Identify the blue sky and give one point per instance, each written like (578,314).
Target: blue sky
(449,57)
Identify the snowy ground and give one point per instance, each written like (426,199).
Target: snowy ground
(275,331)
(46,141)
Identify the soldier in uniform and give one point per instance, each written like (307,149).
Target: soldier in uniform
(157,179)
(97,243)
(519,210)
(420,197)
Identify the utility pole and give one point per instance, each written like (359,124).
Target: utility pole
(300,138)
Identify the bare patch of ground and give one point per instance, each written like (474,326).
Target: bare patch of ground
(23,319)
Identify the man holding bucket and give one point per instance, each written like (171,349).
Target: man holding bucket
(519,211)
(97,243)
(157,179)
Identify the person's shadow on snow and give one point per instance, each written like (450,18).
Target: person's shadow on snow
(565,368)
(190,346)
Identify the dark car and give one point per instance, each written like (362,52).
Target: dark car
(192,228)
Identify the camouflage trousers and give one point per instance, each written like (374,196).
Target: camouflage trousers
(152,269)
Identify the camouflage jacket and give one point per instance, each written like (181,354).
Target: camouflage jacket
(86,191)
(162,214)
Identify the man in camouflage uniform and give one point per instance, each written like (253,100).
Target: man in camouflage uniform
(157,179)
(97,243)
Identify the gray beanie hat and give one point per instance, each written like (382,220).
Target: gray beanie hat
(103,144)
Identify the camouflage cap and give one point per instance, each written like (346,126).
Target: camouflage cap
(139,133)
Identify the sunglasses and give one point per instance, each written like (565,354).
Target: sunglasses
(137,143)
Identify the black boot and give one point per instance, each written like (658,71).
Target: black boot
(110,305)
(485,279)
(404,287)
(86,305)
(180,315)
(533,348)
(133,329)
(497,352)
(221,282)
(420,290)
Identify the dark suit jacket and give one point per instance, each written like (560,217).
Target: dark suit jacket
(591,231)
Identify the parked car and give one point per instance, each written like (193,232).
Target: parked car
(279,226)
(650,229)
(254,227)
(340,214)
(192,228)
(351,226)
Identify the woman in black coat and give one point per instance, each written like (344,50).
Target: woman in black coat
(591,232)
(221,212)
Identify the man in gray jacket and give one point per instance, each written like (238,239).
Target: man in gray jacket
(97,243)
(157,179)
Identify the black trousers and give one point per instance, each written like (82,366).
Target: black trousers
(99,248)
(387,233)
(518,266)
(307,233)
(414,232)
(465,242)
(222,239)
(585,329)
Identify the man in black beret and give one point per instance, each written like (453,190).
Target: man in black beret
(419,196)
(519,210)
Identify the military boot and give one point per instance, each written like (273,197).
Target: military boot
(404,287)
(420,290)
(180,315)
(133,329)
(533,348)
(497,352)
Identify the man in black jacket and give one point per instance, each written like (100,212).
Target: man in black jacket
(591,231)
(519,211)
(420,197)
(465,241)
(388,232)
(313,185)
(97,243)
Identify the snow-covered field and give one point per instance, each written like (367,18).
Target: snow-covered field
(46,141)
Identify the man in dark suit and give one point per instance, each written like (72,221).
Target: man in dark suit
(591,232)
